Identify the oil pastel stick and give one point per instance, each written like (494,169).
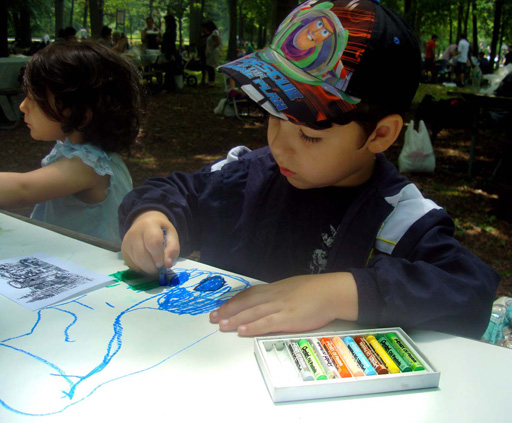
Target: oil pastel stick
(312,360)
(381,352)
(347,357)
(359,356)
(300,362)
(397,358)
(406,354)
(341,367)
(325,360)
(289,370)
(372,357)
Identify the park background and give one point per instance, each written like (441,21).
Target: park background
(180,131)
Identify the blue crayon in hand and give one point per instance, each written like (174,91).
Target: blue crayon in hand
(162,270)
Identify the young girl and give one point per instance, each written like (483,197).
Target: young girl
(86,97)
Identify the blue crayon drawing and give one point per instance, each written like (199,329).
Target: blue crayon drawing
(61,365)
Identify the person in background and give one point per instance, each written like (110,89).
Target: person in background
(150,36)
(173,62)
(462,60)
(213,43)
(119,42)
(485,65)
(105,37)
(447,57)
(87,97)
(70,34)
(508,57)
(430,58)
(249,49)
(320,213)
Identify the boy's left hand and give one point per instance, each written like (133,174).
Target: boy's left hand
(295,304)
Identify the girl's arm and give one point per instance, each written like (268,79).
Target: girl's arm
(64,177)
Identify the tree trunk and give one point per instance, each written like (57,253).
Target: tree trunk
(460,13)
(476,49)
(498,9)
(466,17)
(262,39)
(96,14)
(4,45)
(59,16)
(71,13)
(281,9)
(84,20)
(232,10)
(25,35)
(195,18)
(409,13)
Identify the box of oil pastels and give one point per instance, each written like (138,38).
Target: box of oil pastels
(335,364)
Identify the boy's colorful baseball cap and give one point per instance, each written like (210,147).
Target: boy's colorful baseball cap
(327,56)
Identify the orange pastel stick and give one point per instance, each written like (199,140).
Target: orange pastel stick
(347,356)
(341,367)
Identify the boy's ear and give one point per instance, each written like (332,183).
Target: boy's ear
(385,133)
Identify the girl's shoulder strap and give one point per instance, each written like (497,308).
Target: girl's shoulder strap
(91,155)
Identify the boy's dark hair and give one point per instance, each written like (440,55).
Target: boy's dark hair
(96,92)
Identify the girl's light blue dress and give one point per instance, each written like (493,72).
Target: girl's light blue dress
(100,219)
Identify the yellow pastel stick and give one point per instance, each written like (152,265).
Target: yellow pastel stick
(390,364)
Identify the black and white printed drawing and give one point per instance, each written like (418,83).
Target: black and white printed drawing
(45,280)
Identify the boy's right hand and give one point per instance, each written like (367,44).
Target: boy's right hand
(142,247)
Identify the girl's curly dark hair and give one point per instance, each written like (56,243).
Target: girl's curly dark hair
(96,91)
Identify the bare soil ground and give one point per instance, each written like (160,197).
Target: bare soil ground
(181,132)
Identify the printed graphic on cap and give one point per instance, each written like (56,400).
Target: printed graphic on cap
(312,39)
(305,74)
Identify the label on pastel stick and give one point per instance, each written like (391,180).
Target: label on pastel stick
(405,352)
(397,358)
(390,364)
(321,353)
(347,357)
(312,360)
(298,359)
(358,355)
(341,366)
(372,357)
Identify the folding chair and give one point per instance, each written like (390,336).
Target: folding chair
(242,105)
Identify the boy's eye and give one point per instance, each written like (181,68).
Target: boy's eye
(308,138)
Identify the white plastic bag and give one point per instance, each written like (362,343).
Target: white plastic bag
(417,154)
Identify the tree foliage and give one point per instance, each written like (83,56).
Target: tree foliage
(486,22)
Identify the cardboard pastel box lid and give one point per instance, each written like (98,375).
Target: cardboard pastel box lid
(285,386)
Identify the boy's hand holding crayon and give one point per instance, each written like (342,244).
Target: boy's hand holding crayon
(142,245)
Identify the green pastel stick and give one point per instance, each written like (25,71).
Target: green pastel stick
(407,355)
(397,358)
(312,360)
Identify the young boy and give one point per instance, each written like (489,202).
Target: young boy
(320,212)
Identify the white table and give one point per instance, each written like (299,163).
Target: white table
(10,68)
(174,365)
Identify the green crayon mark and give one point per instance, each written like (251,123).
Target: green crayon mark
(312,360)
(134,280)
(407,355)
(397,358)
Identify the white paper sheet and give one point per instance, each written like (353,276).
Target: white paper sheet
(40,280)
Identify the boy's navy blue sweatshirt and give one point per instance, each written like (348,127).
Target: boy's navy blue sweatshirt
(245,217)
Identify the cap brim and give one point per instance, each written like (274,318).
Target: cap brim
(267,79)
